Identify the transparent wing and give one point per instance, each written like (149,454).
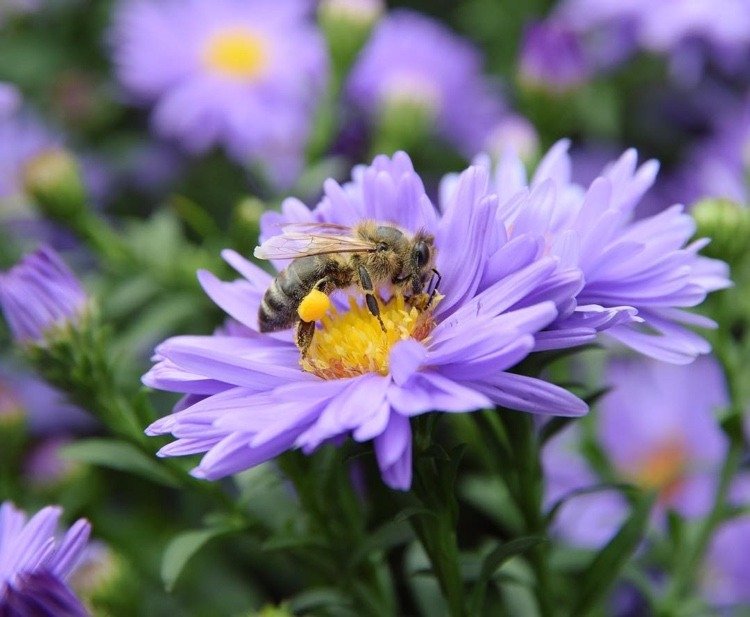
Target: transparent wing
(326,229)
(291,245)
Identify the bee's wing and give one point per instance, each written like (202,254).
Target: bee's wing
(294,244)
(327,229)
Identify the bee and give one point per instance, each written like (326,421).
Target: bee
(327,257)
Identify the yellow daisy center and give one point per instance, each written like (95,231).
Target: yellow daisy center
(662,469)
(352,342)
(236,53)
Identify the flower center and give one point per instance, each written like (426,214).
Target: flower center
(236,53)
(662,469)
(352,343)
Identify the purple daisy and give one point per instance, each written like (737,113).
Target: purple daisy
(34,564)
(24,138)
(700,29)
(250,396)
(639,275)
(242,74)
(552,58)
(725,577)
(400,65)
(39,295)
(658,428)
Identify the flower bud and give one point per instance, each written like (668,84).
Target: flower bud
(727,223)
(347,25)
(53,180)
(406,117)
(40,298)
(552,59)
(103,581)
(46,468)
(246,223)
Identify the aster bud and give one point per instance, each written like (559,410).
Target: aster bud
(42,299)
(727,223)
(347,25)
(104,582)
(53,180)
(46,468)
(552,59)
(406,119)
(514,133)
(246,223)
(12,427)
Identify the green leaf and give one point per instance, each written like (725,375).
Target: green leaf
(121,456)
(387,536)
(493,561)
(317,598)
(602,572)
(181,548)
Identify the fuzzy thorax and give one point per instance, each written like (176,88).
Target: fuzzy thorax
(351,343)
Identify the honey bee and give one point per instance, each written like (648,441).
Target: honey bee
(327,257)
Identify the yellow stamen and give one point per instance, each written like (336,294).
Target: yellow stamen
(236,52)
(352,343)
(662,469)
(314,306)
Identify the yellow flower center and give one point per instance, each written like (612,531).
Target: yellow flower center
(352,343)
(236,53)
(662,470)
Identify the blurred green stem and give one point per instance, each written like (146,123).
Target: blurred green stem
(337,520)
(434,486)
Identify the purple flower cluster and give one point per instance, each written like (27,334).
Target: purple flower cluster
(639,275)
(400,65)
(699,29)
(658,430)
(40,294)
(242,74)
(34,564)
(522,269)
(24,137)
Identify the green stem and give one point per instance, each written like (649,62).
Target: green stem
(337,520)
(525,483)
(436,529)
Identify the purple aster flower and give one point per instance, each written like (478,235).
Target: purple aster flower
(720,165)
(24,138)
(413,59)
(552,58)
(34,564)
(242,74)
(44,409)
(721,28)
(639,275)
(250,396)
(725,579)
(658,427)
(39,295)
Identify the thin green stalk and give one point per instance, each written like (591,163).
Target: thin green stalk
(434,486)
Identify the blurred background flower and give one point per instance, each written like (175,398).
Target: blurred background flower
(243,75)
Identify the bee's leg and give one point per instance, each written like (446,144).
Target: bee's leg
(439,278)
(372,302)
(305,332)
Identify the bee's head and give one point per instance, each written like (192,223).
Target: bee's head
(422,260)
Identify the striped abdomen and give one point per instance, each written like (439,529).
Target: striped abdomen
(278,309)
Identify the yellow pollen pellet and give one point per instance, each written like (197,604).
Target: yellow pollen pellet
(314,306)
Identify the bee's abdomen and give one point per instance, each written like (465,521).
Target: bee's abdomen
(278,309)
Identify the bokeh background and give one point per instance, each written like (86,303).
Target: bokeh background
(178,169)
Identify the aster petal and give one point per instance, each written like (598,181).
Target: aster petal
(405,359)
(393,452)
(234,454)
(428,391)
(531,394)
(71,548)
